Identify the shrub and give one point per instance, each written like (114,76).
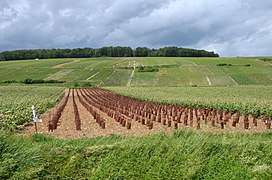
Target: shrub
(40,81)
(147,69)
(223,64)
(28,81)
(10,81)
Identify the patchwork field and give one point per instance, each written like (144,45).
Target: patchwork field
(192,118)
(228,84)
(125,71)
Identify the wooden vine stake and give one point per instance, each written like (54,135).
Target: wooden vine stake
(50,125)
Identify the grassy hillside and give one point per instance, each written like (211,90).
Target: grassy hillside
(183,155)
(120,71)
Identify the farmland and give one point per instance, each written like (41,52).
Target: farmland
(245,99)
(16,102)
(227,84)
(96,112)
(119,71)
(173,114)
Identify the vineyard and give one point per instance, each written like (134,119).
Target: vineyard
(159,71)
(150,118)
(98,112)
(16,102)
(253,100)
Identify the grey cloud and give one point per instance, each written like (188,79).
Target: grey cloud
(229,27)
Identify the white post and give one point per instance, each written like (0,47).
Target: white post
(35,118)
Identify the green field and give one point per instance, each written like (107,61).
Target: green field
(118,71)
(245,85)
(16,102)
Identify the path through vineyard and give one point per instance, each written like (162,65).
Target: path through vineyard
(97,112)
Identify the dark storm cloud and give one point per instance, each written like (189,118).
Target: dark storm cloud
(229,27)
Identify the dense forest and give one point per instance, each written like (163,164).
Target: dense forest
(110,51)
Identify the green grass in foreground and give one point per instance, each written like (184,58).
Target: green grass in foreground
(183,155)
(249,99)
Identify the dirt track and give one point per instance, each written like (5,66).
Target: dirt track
(66,63)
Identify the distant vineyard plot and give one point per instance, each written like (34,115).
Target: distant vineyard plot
(160,71)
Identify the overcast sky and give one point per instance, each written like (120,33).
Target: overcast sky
(228,27)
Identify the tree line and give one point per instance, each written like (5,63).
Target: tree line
(110,51)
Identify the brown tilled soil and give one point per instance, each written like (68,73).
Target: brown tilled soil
(66,63)
(90,128)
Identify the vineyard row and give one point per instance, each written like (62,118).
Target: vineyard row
(124,110)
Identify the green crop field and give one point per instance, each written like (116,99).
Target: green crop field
(16,102)
(118,71)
